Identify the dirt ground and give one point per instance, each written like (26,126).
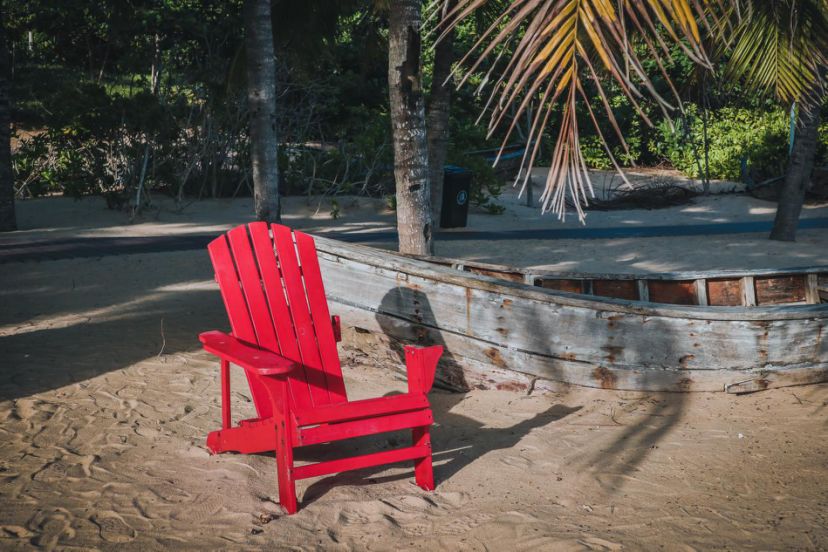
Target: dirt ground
(105,402)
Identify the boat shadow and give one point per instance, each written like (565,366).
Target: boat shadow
(653,416)
(457,440)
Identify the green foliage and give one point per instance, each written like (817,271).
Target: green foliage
(83,92)
(734,134)
(362,165)
(487,185)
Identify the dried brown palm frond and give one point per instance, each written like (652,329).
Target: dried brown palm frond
(558,49)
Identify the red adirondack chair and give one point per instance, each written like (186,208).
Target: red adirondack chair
(285,340)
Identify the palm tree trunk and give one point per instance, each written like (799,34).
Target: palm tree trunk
(261,99)
(7,217)
(408,128)
(798,177)
(437,118)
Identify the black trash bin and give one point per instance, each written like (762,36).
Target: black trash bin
(456,189)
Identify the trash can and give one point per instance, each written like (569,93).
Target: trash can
(456,189)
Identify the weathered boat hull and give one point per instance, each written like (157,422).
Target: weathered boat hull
(508,334)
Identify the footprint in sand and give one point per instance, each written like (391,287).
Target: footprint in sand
(416,529)
(53,472)
(516,461)
(202,508)
(413,503)
(113,527)
(54,527)
(25,409)
(463,524)
(452,498)
(15,531)
(594,543)
(349,517)
(62,469)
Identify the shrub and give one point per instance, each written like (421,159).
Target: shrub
(760,138)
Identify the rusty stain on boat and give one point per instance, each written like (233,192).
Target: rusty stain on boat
(605,377)
(683,361)
(511,386)
(495,357)
(613,351)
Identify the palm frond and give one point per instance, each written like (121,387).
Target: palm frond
(559,49)
(776,47)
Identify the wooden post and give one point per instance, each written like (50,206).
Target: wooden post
(701,291)
(748,292)
(811,289)
(643,290)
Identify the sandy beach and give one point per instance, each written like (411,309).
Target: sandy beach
(105,402)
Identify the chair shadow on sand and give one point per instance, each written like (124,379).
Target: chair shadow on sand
(457,440)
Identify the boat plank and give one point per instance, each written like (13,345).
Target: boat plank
(619,289)
(475,364)
(774,290)
(568,285)
(724,292)
(674,292)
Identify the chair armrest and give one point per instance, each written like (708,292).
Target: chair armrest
(248,357)
(421,365)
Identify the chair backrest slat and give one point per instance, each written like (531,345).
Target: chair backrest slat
(272,288)
(302,323)
(241,322)
(251,284)
(318,305)
(282,320)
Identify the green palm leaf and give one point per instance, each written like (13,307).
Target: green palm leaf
(774,46)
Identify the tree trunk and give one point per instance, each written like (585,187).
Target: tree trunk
(798,177)
(408,127)
(7,217)
(437,118)
(261,99)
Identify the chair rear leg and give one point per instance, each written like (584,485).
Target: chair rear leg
(226,420)
(423,471)
(284,468)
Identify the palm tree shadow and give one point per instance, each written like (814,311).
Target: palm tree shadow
(457,440)
(662,413)
(460,440)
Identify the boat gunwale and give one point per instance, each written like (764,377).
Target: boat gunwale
(441,270)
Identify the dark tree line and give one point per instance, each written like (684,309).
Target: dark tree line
(129,99)
(7,216)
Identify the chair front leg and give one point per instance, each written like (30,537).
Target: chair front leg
(423,471)
(226,420)
(278,389)
(284,466)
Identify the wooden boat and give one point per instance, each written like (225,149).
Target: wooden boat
(517,329)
